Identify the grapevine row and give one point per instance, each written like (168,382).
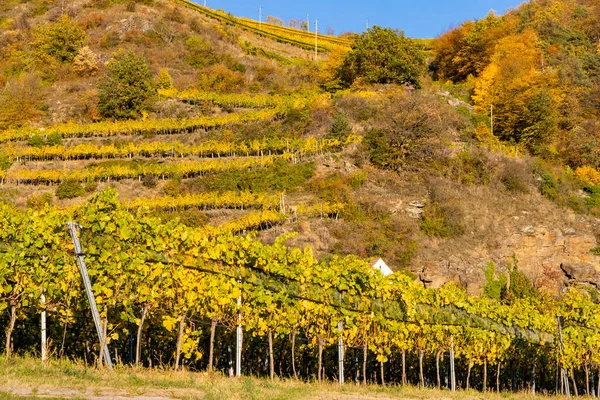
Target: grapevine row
(138,127)
(239,100)
(295,40)
(208,201)
(210,148)
(184,169)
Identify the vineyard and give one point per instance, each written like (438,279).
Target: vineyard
(168,296)
(167,126)
(294,37)
(208,148)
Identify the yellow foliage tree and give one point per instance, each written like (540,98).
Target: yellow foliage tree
(516,92)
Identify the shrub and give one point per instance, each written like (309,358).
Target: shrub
(126,90)
(340,128)
(36,140)
(471,167)
(172,188)
(221,79)
(69,190)
(61,40)
(86,62)
(444,221)
(332,188)
(521,286)
(149,181)
(494,287)
(5,161)
(200,53)
(515,177)
(21,101)
(164,80)
(38,202)
(54,139)
(411,127)
(90,187)
(588,175)
(358,178)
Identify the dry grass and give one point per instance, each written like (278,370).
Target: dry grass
(25,378)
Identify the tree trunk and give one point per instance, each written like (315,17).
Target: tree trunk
(437,369)
(598,393)
(11,327)
(211,346)
(320,366)
(294,355)
(404,379)
(179,342)
(469,373)
(382,374)
(574,383)
(138,348)
(421,377)
(485,376)
(271,361)
(587,380)
(498,378)
(365,352)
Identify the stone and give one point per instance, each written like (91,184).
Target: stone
(580,272)
(528,230)
(415,209)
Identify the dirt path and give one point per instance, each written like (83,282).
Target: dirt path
(98,393)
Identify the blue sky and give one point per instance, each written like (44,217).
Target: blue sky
(417,18)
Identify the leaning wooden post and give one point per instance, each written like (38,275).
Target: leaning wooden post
(88,289)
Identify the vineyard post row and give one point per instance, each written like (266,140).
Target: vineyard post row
(79,255)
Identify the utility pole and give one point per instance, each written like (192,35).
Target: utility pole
(204,3)
(259,16)
(307,24)
(316,37)
(367,24)
(88,289)
(44,338)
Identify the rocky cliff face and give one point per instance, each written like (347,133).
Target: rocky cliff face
(530,231)
(539,250)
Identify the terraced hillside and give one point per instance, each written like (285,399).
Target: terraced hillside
(243,130)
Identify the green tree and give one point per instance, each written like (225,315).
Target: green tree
(383,55)
(61,40)
(127,89)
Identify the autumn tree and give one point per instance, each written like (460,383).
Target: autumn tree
(127,89)
(85,62)
(383,55)
(517,92)
(466,50)
(21,101)
(61,39)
